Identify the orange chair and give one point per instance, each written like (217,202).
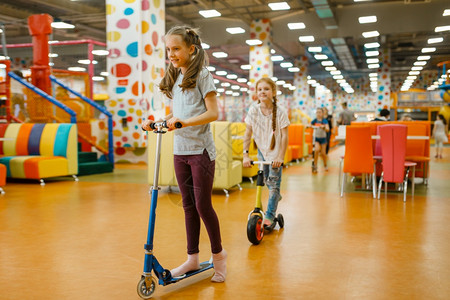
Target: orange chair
(418,151)
(2,178)
(393,148)
(358,157)
(296,141)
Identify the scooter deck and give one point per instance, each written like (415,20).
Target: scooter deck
(204,266)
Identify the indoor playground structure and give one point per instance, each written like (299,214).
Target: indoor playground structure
(49,98)
(445,89)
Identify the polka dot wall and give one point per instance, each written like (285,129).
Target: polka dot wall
(136,64)
(260,61)
(384,80)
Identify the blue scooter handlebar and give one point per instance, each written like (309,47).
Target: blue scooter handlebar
(162,124)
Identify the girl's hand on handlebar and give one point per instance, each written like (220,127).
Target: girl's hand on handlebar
(247,162)
(171,123)
(146,125)
(277,163)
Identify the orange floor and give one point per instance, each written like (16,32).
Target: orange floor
(84,240)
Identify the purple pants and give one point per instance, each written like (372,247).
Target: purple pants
(195,176)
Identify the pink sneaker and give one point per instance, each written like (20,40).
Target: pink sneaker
(267,222)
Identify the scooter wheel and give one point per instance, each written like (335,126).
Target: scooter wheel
(144,291)
(255,230)
(280,220)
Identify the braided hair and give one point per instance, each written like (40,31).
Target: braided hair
(199,59)
(274,106)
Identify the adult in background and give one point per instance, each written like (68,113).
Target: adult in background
(329,118)
(346,116)
(384,115)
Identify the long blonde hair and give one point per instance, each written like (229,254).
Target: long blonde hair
(199,60)
(274,106)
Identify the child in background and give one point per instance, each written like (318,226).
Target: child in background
(268,123)
(320,142)
(440,134)
(191,87)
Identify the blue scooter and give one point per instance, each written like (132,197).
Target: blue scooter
(147,284)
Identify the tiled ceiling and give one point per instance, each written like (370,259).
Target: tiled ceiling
(404,27)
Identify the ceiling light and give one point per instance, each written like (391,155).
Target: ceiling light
(277,58)
(327,63)
(242,80)
(272,51)
(244,89)
(373,66)
(205,46)
(373,75)
(235,30)
(338,77)
(292,88)
(372,60)
(374,79)
(100,52)
(294,69)
(216,81)
(62,25)
(98,78)
(369,34)
(372,53)
(87,62)
(219,54)
(235,87)
(253,42)
(220,90)
(286,65)
(372,45)
(442,28)
(76,69)
(337,72)
(209,13)
(293,26)
(229,92)
(414,73)
(280,82)
(235,94)
(428,50)
(340,80)
(221,73)
(420,63)
(315,49)
(424,57)
(274,79)
(53,55)
(279,6)
(411,77)
(320,56)
(367,19)
(435,40)
(246,67)
(104,73)
(311,81)
(211,68)
(330,68)
(446,13)
(306,38)
(225,84)
(417,68)
(232,76)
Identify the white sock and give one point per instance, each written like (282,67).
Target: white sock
(191,264)
(220,266)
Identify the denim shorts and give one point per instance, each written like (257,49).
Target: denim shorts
(321,140)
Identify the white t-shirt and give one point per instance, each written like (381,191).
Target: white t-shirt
(190,103)
(262,129)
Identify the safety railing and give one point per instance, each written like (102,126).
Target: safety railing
(103,110)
